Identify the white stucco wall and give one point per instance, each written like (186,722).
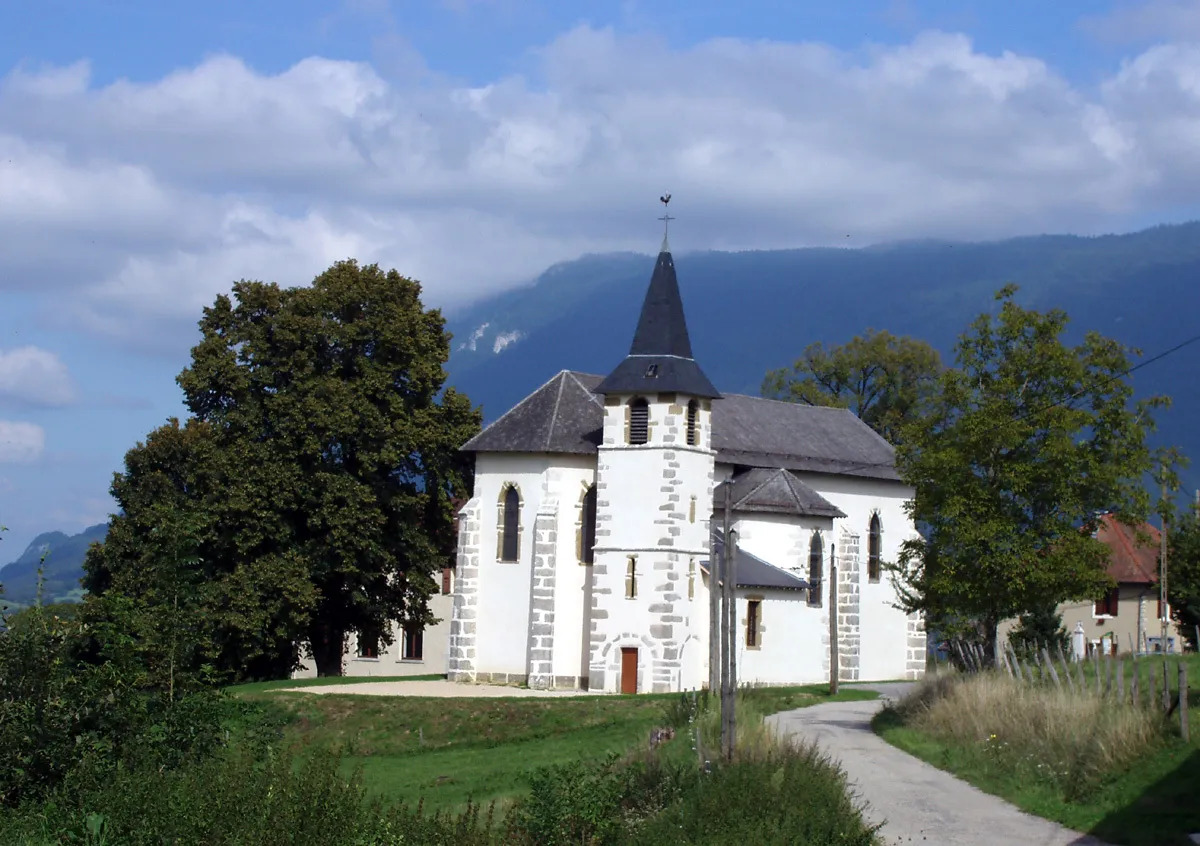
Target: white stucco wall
(572,599)
(791,638)
(883,628)
(504,587)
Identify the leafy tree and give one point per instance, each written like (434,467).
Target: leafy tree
(881,378)
(1025,442)
(1183,575)
(1038,627)
(313,482)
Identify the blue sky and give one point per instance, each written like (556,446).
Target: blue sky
(151,153)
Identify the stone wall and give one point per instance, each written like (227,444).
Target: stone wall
(849,604)
(464,618)
(541,605)
(916,647)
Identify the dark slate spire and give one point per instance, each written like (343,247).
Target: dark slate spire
(660,358)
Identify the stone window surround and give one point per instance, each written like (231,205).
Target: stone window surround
(643,403)
(580,514)
(703,406)
(500,503)
(631,576)
(758,629)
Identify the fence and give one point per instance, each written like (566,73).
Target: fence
(1095,675)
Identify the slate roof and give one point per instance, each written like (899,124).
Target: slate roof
(762,490)
(563,416)
(752,571)
(660,357)
(1130,561)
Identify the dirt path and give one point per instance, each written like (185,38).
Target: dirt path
(916,802)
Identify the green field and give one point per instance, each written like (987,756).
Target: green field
(445,751)
(1155,800)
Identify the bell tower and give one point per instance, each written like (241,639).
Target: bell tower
(654,482)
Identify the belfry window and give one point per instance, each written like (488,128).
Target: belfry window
(639,421)
(693,419)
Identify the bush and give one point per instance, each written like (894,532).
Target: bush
(1070,739)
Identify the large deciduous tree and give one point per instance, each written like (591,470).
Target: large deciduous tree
(882,378)
(1023,444)
(315,476)
(1183,575)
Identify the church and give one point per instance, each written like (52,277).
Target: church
(593,534)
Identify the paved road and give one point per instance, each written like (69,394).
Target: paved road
(916,802)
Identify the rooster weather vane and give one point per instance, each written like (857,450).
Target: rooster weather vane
(666,219)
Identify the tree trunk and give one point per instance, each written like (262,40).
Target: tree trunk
(328,645)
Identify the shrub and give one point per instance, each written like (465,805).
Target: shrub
(1068,738)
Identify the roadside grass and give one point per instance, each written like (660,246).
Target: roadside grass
(444,751)
(1087,762)
(327,681)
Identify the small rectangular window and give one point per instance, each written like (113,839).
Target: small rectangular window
(753,620)
(631,578)
(414,643)
(1109,604)
(639,422)
(691,578)
(368,643)
(447,580)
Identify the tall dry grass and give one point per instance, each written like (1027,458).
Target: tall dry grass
(1073,739)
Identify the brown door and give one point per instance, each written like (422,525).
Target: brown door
(628,670)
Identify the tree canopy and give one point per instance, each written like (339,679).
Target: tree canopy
(309,493)
(1025,441)
(1183,575)
(882,378)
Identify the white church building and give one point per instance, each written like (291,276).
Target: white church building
(585,551)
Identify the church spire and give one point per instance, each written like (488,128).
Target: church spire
(660,357)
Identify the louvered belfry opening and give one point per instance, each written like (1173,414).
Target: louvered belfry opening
(639,421)
(693,415)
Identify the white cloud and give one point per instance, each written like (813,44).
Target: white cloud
(1149,20)
(142,200)
(21,443)
(33,376)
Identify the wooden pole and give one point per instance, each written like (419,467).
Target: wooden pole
(1183,702)
(1162,574)
(1050,666)
(833,621)
(726,620)
(1121,682)
(714,625)
(733,638)
(1166,691)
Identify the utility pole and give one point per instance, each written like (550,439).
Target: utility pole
(833,621)
(1162,574)
(714,611)
(728,626)
(732,644)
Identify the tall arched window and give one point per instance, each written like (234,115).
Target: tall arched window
(639,421)
(874,548)
(816,568)
(693,420)
(509,546)
(587,540)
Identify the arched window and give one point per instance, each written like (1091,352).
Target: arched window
(587,540)
(816,568)
(639,421)
(693,419)
(511,528)
(874,548)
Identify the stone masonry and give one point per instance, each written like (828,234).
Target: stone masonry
(541,603)
(916,647)
(849,605)
(463,619)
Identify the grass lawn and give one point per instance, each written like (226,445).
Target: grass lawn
(1156,800)
(448,750)
(292,684)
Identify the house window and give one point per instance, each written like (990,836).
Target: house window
(753,620)
(816,568)
(691,578)
(414,643)
(693,415)
(368,643)
(874,548)
(511,525)
(587,540)
(639,421)
(1109,604)
(631,578)
(447,580)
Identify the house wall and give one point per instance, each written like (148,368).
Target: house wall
(1137,609)
(435,646)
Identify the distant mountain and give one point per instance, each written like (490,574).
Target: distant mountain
(750,312)
(61,570)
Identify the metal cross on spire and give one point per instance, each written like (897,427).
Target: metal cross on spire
(666,219)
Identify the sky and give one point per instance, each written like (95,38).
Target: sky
(152,153)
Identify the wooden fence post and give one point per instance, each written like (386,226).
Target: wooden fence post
(1108,673)
(1153,684)
(1121,682)
(1134,698)
(1050,666)
(1166,691)
(1183,702)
